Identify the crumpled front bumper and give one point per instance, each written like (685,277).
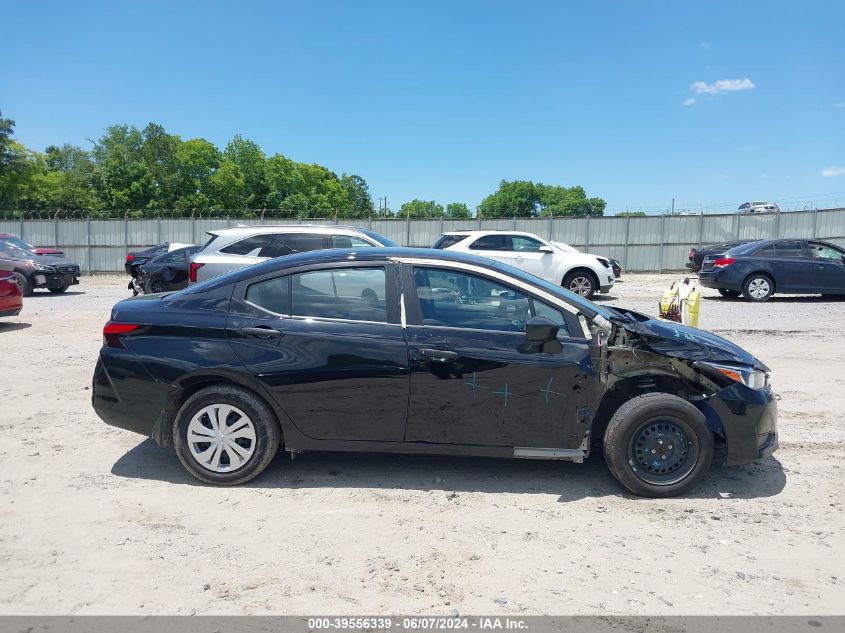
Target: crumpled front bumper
(748,420)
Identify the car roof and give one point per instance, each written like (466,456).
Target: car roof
(478,233)
(254,229)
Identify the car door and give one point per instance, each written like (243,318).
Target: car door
(793,267)
(328,345)
(474,377)
(495,246)
(527,256)
(828,267)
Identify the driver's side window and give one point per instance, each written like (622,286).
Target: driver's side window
(450,298)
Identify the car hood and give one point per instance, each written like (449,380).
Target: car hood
(682,341)
(565,247)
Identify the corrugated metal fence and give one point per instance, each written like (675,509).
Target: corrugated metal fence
(641,244)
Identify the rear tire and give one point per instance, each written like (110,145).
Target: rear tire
(758,287)
(155,285)
(729,294)
(25,284)
(658,445)
(581,283)
(243,435)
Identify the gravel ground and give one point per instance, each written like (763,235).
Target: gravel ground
(101,521)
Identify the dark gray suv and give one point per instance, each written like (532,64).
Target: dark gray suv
(32,271)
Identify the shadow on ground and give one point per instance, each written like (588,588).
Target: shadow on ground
(11,327)
(782,298)
(459,474)
(40,294)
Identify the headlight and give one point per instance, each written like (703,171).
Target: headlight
(46,269)
(753,378)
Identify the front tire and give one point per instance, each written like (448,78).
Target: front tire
(25,284)
(155,285)
(758,288)
(658,445)
(581,283)
(225,435)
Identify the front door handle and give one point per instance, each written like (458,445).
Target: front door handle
(441,355)
(261,332)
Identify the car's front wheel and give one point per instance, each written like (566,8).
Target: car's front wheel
(758,287)
(25,284)
(225,435)
(658,445)
(581,283)
(155,285)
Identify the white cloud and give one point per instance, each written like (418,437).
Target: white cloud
(841,104)
(689,102)
(722,85)
(831,171)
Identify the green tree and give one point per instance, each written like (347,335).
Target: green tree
(358,193)
(120,177)
(249,158)
(457,211)
(159,151)
(631,214)
(513,198)
(227,187)
(196,162)
(70,170)
(421,209)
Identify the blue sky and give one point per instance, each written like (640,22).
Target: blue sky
(441,100)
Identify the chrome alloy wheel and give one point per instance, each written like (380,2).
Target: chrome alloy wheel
(759,288)
(581,285)
(221,438)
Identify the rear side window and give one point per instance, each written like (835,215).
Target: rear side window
(250,245)
(349,241)
(301,242)
(272,295)
(449,240)
(790,249)
(491,243)
(355,294)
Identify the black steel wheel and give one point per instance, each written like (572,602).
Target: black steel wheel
(25,284)
(155,284)
(658,445)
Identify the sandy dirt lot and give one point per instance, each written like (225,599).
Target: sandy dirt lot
(100,521)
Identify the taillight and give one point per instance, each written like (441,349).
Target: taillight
(723,262)
(691,253)
(130,257)
(193,272)
(112,332)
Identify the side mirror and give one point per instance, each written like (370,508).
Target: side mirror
(541,330)
(545,249)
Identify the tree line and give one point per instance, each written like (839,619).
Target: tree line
(134,171)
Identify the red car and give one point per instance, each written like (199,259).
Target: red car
(11,295)
(38,250)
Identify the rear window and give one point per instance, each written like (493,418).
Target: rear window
(273,295)
(356,294)
(448,240)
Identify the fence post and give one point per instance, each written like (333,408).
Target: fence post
(815,223)
(627,237)
(88,243)
(21,230)
(777,225)
(551,226)
(662,242)
(193,228)
(441,225)
(408,229)
(736,227)
(587,237)
(56,229)
(514,223)
(158,229)
(700,229)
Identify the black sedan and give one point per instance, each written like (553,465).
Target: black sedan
(167,272)
(758,270)
(696,255)
(424,351)
(135,259)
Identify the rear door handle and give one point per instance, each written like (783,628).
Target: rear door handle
(441,355)
(261,332)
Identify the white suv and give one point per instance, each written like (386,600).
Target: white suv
(758,207)
(238,247)
(580,273)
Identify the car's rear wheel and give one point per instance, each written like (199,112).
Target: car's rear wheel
(758,287)
(59,290)
(658,445)
(155,284)
(729,294)
(581,283)
(25,284)
(225,435)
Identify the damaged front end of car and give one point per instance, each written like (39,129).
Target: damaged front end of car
(727,384)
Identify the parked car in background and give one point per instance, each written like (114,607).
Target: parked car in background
(580,273)
(614,264)
(759,207)
(425,351)
(166,272)
(135,259)
(696,255)
(11,294)
(760,269)
(38,250)
(230,249)
(33,271)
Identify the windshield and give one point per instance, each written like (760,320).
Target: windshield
(16,241)
(381,239)
(11,251)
